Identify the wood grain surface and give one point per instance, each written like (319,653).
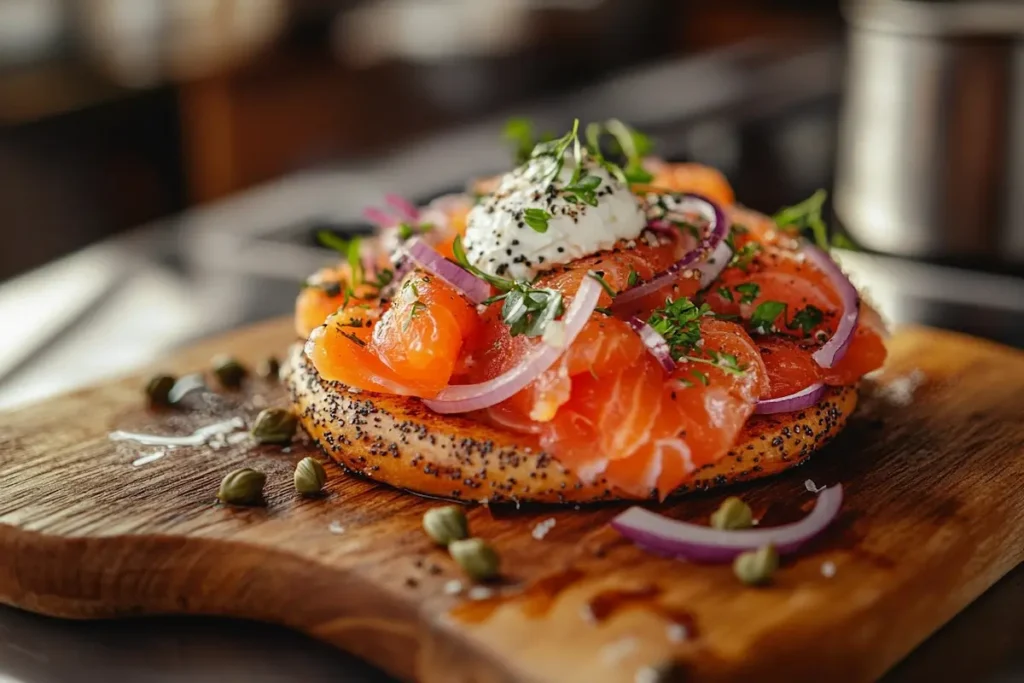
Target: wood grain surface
(934,515)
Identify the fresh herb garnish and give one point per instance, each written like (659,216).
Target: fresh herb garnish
(725,293)
(762,321)
(537,219)
(806,319)
(519,131)
(584,189)
(604,283)
(417,308)
(634,146)
(348,248)
(744,256)
(701,377)
(527,310)
(602,309)
(351,337)
(459,251)
(678,322)
(749,291)
(405,231)
(805,216)
(593,135)
(556,149)
(633,279)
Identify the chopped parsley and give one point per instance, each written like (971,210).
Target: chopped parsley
(537,219)
(633,279)
(701,377)
(678,322)
(527,310)
(749,291)
(806,319)
(353,338)
(744,256)
(634,145)
(762,321)
(584,189)
(599,276)
(556,150)
(725,293)
(405,230)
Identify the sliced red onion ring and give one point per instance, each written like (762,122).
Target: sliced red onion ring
(406,210)
(378,216)
(709,257)
(805,398)
(673,538)
(655,343)
(428,258)
(461,398)
(835,348)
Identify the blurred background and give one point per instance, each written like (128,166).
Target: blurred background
(165,163)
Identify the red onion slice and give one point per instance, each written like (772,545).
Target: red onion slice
(405,209)
(378,216)
(835,348)
(429,259)
(461,398)
(655,343)
(805,398)
(697,543)
(710,257)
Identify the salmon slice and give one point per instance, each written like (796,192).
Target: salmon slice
(410,347)
(644,430)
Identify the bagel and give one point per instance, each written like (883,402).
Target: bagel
(396,440)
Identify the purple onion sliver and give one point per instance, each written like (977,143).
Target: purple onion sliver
(406,210)
(805,398)
(428,258)
(655,343)
(378,216)
(836,347)
(704,544)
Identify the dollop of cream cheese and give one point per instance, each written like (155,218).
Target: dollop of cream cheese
(499,241)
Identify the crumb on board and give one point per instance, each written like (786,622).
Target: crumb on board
(828,569)
(900,390)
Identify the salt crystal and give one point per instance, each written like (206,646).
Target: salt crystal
(335,527)
(828,569)
(286,449)
(542,528)
(453,587)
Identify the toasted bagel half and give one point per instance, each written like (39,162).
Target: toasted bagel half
(399,441)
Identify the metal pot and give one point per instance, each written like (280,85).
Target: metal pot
(931,150)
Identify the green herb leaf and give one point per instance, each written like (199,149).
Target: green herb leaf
(749,291)
(416,309)
(701,377)
(678,322)
(634,145)
(806,216)
(604,283)
(353,338)
(806,319)
(405,231)
(537,219)
(763,319)
(744,256)
(459,251)
(519,131)
(633,279)
(725,293)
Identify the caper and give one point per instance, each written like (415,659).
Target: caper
(270,368)
(733,513)
(158,390)
(229,372)
(242,487)
(274,426)
(310,477)
(446,524)
(476,557)
(755,567)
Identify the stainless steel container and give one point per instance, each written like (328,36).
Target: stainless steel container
(931,150)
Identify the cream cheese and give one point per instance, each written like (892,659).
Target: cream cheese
(500,241)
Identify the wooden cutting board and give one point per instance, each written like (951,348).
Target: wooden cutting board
(934,515)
